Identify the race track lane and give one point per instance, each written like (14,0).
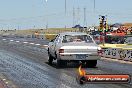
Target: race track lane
(27,67)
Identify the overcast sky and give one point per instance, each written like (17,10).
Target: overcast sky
(37,13)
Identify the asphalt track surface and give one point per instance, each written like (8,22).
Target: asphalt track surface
(23,63)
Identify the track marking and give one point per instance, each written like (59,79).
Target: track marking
(45,45)
(4,39)
(17,41)
(25,42)
(11,40)
(31,43)
(6,82)
(37,44)
(4,79)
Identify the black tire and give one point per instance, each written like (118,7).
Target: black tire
(82,80)
(61,63)
(91,63)
(50,59)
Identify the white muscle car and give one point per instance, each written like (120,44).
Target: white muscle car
(74,46)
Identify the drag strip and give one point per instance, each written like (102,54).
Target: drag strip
(26,73)
(26,66)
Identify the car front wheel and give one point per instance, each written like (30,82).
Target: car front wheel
(50,59)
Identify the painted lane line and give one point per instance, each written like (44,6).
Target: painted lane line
(31,43)
(11,40)
(17,41)
(45,45)
(4,39)
(25,42)
(4,79)
(37,44)
(6,82)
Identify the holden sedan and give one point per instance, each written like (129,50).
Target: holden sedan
(74,46)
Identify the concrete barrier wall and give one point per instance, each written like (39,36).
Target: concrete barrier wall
(117,52)
(128,54)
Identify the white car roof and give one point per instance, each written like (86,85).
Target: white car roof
(73,33)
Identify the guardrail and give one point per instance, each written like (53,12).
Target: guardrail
(117,51)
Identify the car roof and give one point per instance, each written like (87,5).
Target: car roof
(73,33)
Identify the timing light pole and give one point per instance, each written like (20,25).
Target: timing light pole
(103,26)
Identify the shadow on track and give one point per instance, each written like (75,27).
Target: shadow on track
(68,65)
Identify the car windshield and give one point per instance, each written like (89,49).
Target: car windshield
(77,38)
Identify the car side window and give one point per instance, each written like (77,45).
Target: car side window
(58,39)
(53,40)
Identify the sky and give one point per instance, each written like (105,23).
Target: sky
(26,14)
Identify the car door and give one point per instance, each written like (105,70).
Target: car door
(53,45)
(56,44)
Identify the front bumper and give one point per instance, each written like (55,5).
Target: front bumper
(74,56)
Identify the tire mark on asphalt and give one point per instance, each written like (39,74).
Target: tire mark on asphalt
(99,70)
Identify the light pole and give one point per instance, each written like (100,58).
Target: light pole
(84,24)
(94,13)
(65,10)
(65,6)
(46,17)
(94,5)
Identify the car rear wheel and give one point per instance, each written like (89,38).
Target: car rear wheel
(91,63)
(50,59)
(61,63)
